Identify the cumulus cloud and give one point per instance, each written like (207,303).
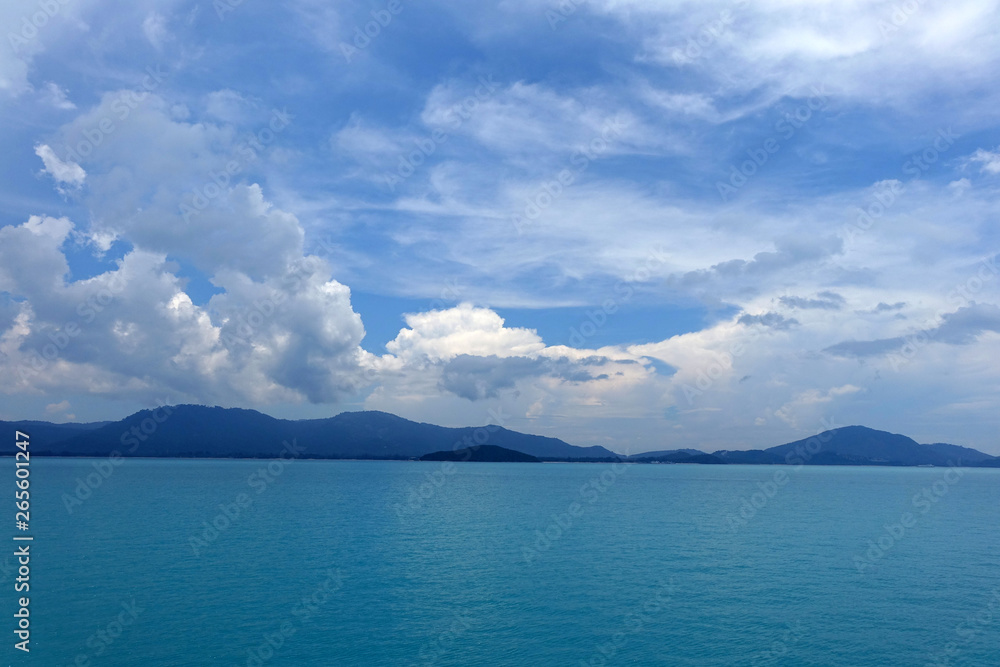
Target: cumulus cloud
(32,262)
(281,328)
(989,161)
(191,205)
(449,363)
(69,173)
(201,284)
(443,334)
(134,329)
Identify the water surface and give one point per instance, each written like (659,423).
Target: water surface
(398,563)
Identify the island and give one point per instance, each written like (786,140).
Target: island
(482,454)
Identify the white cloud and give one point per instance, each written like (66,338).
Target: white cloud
(360,140)
(804,403)
(283,330)
(642,225)
(30,30)
(229,105)
(67,172)
(862,51)
(990,160)
(173,162)
(443,334)
(53,408)
(523,121)
(291,337)
(56,96)
(455,364)
(154,27)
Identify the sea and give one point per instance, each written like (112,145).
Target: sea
(305,562)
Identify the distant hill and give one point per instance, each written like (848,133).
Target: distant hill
(484,454)
(676,456)
(859,445)
(43,432)
(199,431)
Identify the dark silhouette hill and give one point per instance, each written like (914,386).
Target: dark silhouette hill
(48,432)
(195,430)
(484,454)
(859,445)
(201,431)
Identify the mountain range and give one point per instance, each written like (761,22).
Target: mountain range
(848,445)
(200,431)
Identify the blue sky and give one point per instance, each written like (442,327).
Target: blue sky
(638,224)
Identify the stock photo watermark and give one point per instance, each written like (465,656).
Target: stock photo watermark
(550,191)
(121,108)
(561,524)
(901,14)
(425,147)
(767,490)
(961,296)
(888,193)
(230,513)
(779,648)
(432,651)
(706,36)
(624,290)
(632,624)
(102,640)
(364,34)
(922,502)
(38,360)
(759,156)
(417,496)
(104,468)
(246,153)
(969,629)
(724,362)
(300,614)
(32,24)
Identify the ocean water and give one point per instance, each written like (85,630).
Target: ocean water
(402,563)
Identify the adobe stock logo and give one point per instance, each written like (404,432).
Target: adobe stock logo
(895,532)
(784,129)
(30,25)
(381,18)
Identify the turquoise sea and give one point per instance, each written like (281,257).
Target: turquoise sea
(403,563)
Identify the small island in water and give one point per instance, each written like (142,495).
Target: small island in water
(482,454)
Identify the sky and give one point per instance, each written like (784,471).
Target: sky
(643,225)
